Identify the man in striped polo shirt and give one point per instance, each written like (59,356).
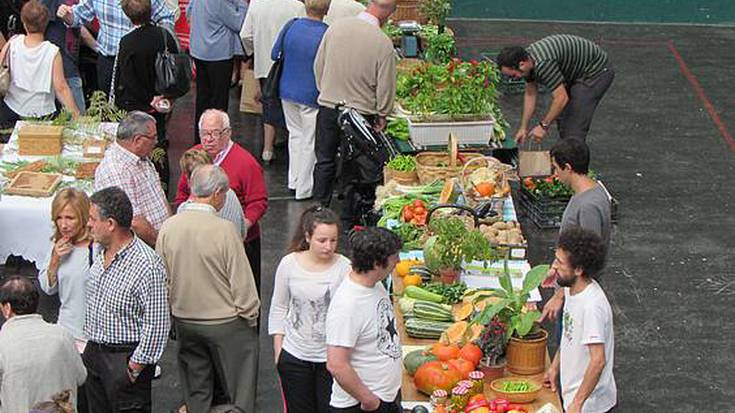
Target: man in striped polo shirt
(577,72)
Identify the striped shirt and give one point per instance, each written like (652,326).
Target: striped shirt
(127,302)
(114,24)
(138,178)
(564,58)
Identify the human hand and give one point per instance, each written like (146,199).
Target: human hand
(537,133)
(370,405)
(161,104)
(575,407)
(64,12)
(134,370)
(63,247)
(550,378)
(552,309)
(380,123)
(520,135)
(550,280)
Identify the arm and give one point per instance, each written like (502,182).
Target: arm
(81,13)
(2,41)
(144,230)
(552,374)
(529,106)
(590,218)
(246,33)
(338,364)
(255,196)
(279,307)
(591,376)
(242,282)
(386,84)
(553,307)
(232,14)
(47,278)
(88,39)
(276,51)
(3,52)
(63,92)
(153,299)
(319,63)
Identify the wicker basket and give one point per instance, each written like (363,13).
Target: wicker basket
(502,171)
(433,166)
(401,177)
(408,10)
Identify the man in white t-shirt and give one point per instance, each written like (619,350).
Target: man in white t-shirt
(584,362)
(363,345)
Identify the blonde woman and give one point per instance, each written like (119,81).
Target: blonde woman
(65,273)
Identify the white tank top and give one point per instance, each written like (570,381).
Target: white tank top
(31,91)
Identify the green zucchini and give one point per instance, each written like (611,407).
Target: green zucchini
(420,294)
(418,328)
(432,311)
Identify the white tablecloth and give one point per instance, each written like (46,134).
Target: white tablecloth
(26,227)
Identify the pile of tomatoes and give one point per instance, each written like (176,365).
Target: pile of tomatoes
(415,212)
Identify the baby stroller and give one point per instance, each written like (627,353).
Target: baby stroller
(363,152)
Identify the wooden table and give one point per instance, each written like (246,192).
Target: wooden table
(409,393)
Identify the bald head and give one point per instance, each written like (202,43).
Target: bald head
(18,296)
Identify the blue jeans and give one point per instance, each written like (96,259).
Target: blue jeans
(75,84)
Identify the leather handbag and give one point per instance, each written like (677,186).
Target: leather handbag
(5,73)
(270,86)
(173,71)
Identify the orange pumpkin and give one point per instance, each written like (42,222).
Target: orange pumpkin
(445,352)
(471,352)
(465,367)
(435,375)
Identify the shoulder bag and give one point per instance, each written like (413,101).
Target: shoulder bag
(270,86)
(173,71)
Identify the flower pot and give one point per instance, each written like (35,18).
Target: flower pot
(527,356)
(492,372)
(449,275)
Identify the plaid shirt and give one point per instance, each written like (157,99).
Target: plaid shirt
(127,302)
(138,178)
(114,24)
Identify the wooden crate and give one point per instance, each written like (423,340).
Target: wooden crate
(40,140)
(36,184)
(94,148)
(408,10)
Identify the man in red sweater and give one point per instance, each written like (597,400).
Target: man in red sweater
(244,172)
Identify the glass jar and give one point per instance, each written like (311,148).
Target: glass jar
(468,385)
(460,397)
(478,381)
(438,398)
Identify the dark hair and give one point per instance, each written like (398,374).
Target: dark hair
(511,57)
(573,152)
(138,11)
(372,246)
(34,16)
(310,218)
(114,203)
(20,293)
(60,403)
(585,249)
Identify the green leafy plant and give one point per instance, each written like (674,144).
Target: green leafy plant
(511,307)
(101,110)
(391,30)
(402,163)
(397,128)
(452,244)
(436,11)
(440,48)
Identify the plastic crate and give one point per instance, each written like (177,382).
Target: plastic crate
(546,213)
(424,134)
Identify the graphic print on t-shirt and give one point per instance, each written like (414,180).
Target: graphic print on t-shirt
(388,342)
(302,310)
(568,325)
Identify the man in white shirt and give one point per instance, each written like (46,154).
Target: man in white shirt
(363,346)
(584,362)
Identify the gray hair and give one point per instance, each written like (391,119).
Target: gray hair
(135,123)
(207,179)
(224,117)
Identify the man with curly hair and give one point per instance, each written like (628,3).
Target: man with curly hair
(363,346)
(584,362)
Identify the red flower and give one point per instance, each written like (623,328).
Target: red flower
(474,62)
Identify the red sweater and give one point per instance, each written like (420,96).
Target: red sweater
(246,179)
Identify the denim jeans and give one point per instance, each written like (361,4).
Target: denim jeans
(75,84)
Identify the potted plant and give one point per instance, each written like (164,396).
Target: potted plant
(436,11)
(526,352)
(493,343)
(451,245)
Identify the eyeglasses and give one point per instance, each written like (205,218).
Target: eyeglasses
(214,133)
(151,137)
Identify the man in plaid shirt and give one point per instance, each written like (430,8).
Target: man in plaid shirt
(127,315)
(114,24)
(127,165)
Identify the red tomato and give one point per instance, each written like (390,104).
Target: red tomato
(418,203)
(419,210)
(407,214)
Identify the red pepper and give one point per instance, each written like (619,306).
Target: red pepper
(476,404)
(499,405)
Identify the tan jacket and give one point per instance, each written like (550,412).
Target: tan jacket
(210,279)
(356,65)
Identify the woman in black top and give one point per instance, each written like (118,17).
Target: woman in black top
(135,74)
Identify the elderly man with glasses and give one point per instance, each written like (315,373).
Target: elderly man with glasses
(244,172)
(127,165)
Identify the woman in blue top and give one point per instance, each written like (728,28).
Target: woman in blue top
(299,41)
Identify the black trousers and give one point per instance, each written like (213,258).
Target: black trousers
(307,386)
(385,407)
(105,64)
(108,387)
(212,88)
(252,251)
(584,96)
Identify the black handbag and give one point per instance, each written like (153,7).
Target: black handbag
(270,86)
(173,72)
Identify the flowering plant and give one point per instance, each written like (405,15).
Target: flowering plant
(493,342)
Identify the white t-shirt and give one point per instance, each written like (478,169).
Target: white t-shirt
(31,91)
(362,319)
(299,306)
(587,320)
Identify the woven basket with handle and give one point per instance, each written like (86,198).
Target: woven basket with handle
(433,166)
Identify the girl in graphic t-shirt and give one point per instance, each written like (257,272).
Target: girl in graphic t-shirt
(305,281)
